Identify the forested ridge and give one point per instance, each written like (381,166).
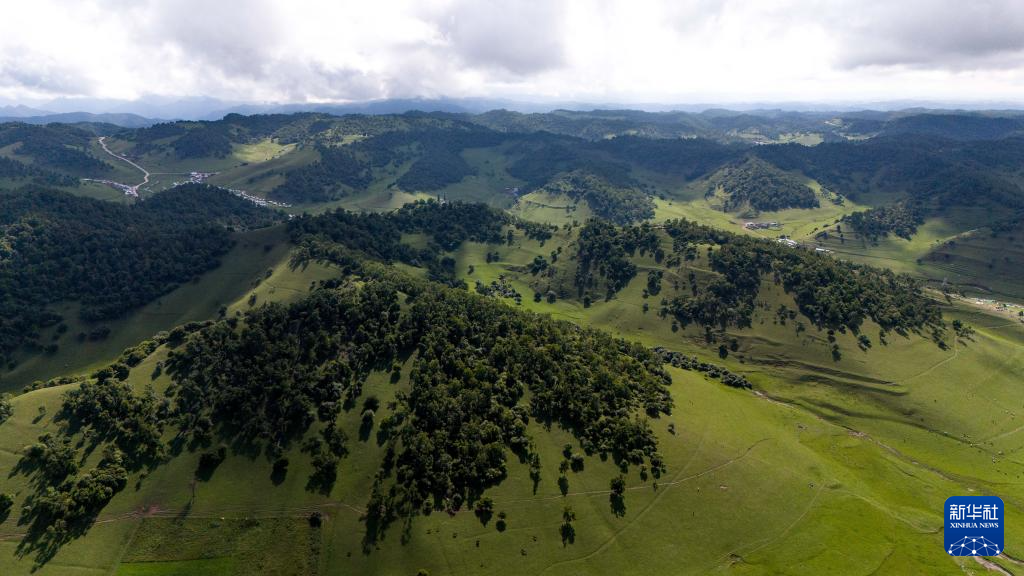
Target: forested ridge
(111,258)
(347,237)
(757,184)
(832,294)
(621,204)
(60,147)
(14,170)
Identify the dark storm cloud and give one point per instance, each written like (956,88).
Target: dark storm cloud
(930,34)
(522,38)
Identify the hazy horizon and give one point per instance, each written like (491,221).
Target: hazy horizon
(205,108)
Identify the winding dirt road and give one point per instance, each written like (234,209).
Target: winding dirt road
(133,190)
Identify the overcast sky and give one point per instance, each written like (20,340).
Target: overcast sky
(670,51)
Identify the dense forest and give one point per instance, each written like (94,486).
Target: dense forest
(603,251)
(202,143)
(901,219)
(60,147)
(324,179)
(57,247)
(346,237)
(27,173)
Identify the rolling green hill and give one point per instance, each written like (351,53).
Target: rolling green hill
(869,446)
(535,345)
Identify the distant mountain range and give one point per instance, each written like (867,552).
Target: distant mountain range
(880,118)
(148,111)
(122,120)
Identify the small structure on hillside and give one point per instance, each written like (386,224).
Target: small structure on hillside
(761,225)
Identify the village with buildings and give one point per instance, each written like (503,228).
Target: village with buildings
(194,177)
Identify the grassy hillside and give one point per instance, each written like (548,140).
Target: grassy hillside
(875,489)
(979,262)
(823,461)
(261,175)
(837,460)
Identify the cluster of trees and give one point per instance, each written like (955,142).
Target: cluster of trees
(437,168)
(6,408)
(757,184)
(67,499)
(901,219)
(339,168)
(452,223)
(541,158)
(106,406)
(111,258)
(603,251)
(690,158)
(72,499)
(618,204)
(477,363)
(267,379)
(100,413)
(693,363)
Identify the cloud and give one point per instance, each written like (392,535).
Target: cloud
(39,73)
(238,38)
(523,37)
(930,34)
(585,50)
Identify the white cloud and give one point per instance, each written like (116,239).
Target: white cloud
(597,50)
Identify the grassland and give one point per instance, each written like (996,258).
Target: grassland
(260,177)
(754,486)
(975,261)
(558,209)
(689,202)
(491,184)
